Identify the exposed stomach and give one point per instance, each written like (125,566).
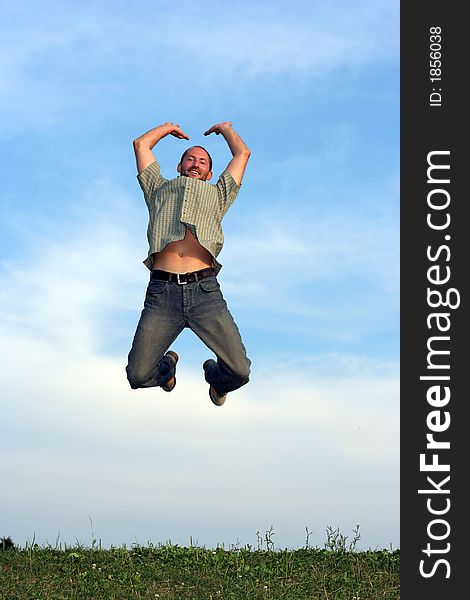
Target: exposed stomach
(182,256)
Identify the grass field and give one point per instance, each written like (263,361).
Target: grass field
(171,572)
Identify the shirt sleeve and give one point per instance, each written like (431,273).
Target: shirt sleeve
(150,179)
(227,190)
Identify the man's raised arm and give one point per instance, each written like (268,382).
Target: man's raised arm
(143,145)
(238,148)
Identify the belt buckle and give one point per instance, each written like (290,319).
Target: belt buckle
(178,279)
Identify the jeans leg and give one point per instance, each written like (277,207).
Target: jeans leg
(160,323)
(212,322)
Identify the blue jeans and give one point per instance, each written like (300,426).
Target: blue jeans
(168,309)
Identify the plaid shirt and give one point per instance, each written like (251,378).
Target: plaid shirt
(174,204)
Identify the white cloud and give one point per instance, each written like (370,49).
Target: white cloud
(89,269)
(61,58)
(147,464)
(343,253)
(295,452)
(265,37)
(311,451)
(76,269)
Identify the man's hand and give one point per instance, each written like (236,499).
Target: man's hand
(238,148)
(219,128)
(176,131)
(143,145)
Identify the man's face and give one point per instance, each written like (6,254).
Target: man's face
(195,164)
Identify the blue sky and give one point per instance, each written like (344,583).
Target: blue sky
(310,273)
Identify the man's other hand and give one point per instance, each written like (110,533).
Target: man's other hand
(219,128)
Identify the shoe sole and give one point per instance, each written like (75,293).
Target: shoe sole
(217,399)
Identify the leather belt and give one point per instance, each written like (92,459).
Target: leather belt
(182,278)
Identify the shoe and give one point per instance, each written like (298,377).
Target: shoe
(217,399)
(170,384)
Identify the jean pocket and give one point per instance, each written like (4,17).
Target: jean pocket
(156,287)
(209,284)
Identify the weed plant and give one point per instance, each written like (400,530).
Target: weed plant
(171,572)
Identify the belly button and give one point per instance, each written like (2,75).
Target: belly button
(181,254)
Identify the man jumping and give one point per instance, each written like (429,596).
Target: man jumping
(185,237)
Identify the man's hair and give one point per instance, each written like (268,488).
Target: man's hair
(188,149)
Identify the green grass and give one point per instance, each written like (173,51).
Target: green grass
(171,572)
